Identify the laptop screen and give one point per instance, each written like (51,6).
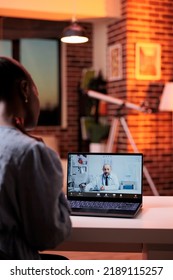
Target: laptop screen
(104,175)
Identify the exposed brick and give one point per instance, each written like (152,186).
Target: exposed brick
(146,21)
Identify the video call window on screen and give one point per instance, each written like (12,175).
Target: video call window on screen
(87,173)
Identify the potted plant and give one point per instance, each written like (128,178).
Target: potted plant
(97,127)
(97,134)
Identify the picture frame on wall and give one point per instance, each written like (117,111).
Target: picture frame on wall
(115,72)
(148,61)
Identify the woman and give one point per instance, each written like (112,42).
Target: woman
(34,213)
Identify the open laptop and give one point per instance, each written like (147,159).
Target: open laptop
(103,184)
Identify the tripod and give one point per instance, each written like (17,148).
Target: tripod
(113,135)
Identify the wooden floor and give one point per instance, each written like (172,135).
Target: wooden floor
(100,256)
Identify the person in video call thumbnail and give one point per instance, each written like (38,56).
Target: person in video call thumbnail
(107,181)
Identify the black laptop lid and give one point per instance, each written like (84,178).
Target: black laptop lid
(87,176)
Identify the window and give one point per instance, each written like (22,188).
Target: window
(6,48)
(36,45)
(41,59)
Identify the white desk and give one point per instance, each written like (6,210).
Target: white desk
(151,232)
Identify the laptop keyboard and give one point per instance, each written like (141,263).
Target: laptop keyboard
(103,205)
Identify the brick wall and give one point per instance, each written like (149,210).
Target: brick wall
(146,21)
(78,57)
(141,21)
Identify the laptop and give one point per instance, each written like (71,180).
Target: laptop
(105,184)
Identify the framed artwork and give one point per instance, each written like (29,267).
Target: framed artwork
(148,61)
(115,62)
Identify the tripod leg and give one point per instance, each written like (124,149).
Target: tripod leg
(112,135)
(150,181)
(132,142)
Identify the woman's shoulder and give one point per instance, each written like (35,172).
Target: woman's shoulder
(24,142)
(19,145)
(37,151)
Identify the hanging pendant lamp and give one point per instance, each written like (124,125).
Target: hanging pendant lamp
(74,34)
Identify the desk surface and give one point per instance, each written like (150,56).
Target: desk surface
(153,225)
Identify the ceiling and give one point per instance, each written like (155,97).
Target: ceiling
(90,10)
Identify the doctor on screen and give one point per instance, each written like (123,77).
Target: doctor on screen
(107,181)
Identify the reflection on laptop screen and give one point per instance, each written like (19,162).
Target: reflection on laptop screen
(113,175)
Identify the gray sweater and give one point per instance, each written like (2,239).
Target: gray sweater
(34,214)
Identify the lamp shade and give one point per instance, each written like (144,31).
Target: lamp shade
(74,34)
(166,101)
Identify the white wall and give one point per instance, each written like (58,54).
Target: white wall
(100,46)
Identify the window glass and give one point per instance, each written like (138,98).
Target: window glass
(41,59)
(6,48)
